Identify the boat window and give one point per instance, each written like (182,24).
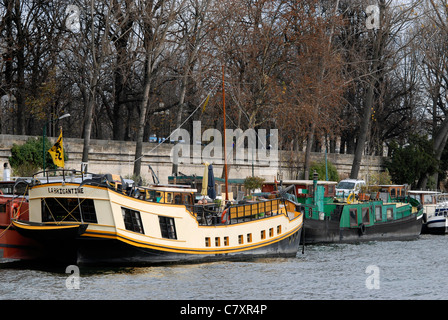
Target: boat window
(330,191)
(207,242)
(177,198)
(271,232)
(7,189)
(378,216)
(153,195)
(217,241)
(427,198)
(167,227)
(226,241)
(354,217)
(310,212)
(249,237)
(263,234)
(390,213)
(365,215)
(188,199)
(169,197)
(68,209)
(240,239)
(132,220)
(392,192)
(279,229)
(2,207)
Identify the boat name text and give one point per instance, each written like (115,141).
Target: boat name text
(66,190)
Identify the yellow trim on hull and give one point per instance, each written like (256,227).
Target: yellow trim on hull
(119,237)
(54,227)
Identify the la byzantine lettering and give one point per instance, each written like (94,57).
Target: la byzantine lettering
(66,190)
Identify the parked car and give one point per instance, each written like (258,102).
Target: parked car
(348,186)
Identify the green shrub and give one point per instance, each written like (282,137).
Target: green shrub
(26,159)
(252,183)
(333,174)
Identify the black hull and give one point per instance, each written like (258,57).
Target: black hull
(42,232)
(326,231)
(88,251)
(434,230)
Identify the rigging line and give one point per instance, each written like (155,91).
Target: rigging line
(69,213)
(203,101)
(21,203)
(4,231)
(49,210)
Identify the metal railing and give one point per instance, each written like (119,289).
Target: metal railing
(211,215)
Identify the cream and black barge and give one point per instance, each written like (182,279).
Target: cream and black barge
(102,221)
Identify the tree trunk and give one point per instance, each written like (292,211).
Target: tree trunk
(364,129)
(142,119)
(88,118)
(309,144)
(368,102)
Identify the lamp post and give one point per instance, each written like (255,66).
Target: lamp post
(44,133)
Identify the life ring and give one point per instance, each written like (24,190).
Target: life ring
(348,198)
(223,216)
(15,210)
(362,229)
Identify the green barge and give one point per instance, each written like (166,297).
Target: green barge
(386,213)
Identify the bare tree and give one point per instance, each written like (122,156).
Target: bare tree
(157,17)
(393,21)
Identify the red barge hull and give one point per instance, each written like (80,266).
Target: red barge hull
(12,244)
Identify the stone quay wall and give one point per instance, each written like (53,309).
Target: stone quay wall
(117,157)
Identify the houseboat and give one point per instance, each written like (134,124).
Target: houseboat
(428,199)
(385,214)
(436,221)
(104,221)
(14,205)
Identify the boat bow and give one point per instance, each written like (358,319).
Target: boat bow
(45,231)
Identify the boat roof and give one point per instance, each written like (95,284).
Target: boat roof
(424,192)
(300,182)
(169,188)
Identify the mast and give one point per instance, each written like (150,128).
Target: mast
(225,154)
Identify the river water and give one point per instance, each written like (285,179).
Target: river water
(375,270)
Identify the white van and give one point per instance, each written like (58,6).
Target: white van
(347,186)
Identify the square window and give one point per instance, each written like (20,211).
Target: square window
(167,227)
(226,241)
(207,242)
(217,241)
(354,217)
(132,220)
(249,237)
(263,234)
(378,213)
(365,215)
(390,214)
(240,239)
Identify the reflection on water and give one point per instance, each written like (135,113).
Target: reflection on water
(407,270)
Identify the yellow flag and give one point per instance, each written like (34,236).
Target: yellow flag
(205,103)
(57,152)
